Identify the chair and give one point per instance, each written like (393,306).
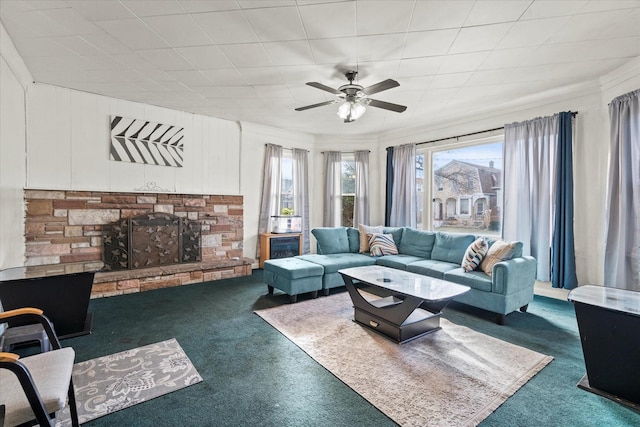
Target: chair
(35,387)
(10,337)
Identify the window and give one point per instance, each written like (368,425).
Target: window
(348,189)
(286,183)
(464,206)
(463,184)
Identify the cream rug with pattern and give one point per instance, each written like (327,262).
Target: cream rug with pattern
(452,377)
(111,383)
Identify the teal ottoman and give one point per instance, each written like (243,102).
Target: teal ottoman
(293,276)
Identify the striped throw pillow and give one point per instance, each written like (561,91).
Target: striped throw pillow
(381,244)
(474,255)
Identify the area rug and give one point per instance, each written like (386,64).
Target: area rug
(111,383)
(452,377)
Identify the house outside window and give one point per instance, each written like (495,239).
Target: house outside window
(463,183)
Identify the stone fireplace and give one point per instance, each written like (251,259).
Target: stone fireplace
(67,231)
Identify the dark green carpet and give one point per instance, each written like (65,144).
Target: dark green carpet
(253,376)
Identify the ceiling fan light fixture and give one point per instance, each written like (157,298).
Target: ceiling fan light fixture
(350,111)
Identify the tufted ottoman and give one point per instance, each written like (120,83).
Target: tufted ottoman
(293,276)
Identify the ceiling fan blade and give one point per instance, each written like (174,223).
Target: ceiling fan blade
(379,87)
(315,105)
(387,105)
(324,87)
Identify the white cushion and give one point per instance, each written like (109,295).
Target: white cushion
(51,372)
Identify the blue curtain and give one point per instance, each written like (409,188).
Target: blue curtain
(563,265)
(389,190)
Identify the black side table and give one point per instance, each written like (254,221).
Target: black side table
(609,321)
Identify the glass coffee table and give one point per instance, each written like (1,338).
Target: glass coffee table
(414,307)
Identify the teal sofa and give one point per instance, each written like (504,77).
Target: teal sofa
(434,254)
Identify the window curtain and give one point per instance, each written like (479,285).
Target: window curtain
(361,205)
(301,193)
(389,188)
(332,209)
(563,266)
(403,200)
(529,159)
(270,189)
(622,250)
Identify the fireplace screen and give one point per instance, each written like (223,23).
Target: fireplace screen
(150,240)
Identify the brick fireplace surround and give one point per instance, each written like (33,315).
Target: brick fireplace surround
(63,232)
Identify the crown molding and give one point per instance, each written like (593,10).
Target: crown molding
(621,74)
(10,54)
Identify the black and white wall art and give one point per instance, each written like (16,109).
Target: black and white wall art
(140,141)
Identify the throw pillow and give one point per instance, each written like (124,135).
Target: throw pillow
(474,255)
(364,230)
(331,240)
(499,251)
(382,244)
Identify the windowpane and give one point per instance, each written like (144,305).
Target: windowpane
(348,177)
(466,190)
(286,186)
(348,189)
(347,210)
(419,188)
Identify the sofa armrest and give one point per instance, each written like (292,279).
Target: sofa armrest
(513,275)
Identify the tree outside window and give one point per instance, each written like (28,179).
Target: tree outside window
(348,190)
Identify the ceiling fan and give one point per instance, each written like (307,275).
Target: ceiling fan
(354,98)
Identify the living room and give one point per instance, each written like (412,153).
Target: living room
(55,130)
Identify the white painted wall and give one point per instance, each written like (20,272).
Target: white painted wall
(68,146)
(14,78)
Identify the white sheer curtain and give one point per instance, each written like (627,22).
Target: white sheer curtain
(529,165)
(622,252)
(301,193)
(404,205)
(332,209)
(270,189)
(361,205)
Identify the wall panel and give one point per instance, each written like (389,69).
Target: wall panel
(68,141)
(12,168)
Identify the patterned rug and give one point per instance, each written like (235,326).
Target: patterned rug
(452,377)
(111,383)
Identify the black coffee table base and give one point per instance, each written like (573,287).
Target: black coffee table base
(400,320)
(420,322)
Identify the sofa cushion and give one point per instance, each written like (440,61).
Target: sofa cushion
(364,230)
(417,243)
(399,261)
(451,247)
(382,244)
(474,254)
(353,235)
(293,268)
(334,262)
(517,249)
(474,279)
(499,251)
(432,268)
(331,240)
(397,233)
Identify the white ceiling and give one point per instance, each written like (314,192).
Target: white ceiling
(249,60)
